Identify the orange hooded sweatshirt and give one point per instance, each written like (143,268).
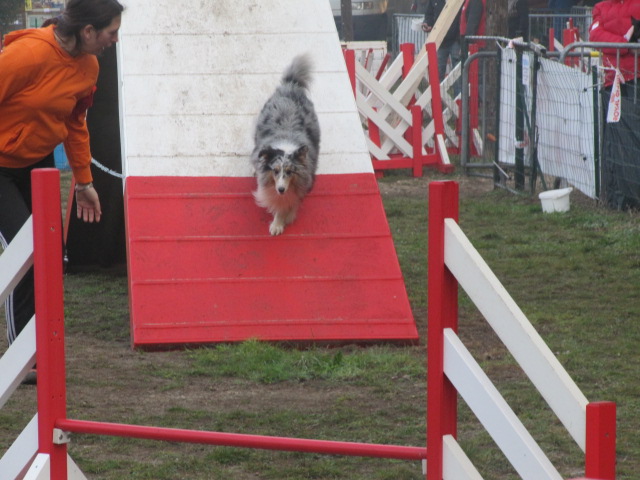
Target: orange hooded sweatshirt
(44,96)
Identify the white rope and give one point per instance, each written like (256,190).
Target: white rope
(106,169)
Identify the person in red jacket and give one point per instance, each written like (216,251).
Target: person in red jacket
(46,85)
(612,23)
(472,20)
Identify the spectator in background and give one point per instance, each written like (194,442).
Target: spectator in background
(419,6)
(519,19)
(472,19)
(619,167)
(612,23)
(449,49)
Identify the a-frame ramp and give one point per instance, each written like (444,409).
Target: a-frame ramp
(202,265)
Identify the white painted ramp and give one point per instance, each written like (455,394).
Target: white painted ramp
(194,76)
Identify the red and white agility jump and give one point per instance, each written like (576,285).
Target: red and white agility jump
(40,452)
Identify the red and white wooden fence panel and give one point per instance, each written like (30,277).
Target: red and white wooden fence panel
(40,452)
(453,262)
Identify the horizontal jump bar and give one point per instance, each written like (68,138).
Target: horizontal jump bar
(242,440)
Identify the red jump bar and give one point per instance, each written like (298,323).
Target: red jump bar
(241,440)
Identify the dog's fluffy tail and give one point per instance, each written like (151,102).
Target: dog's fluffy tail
(299,71)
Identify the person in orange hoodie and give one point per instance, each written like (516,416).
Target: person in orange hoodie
(47,80)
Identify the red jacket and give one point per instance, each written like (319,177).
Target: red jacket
(44,96)
(611,21)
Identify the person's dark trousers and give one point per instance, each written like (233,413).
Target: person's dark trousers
(15,209)
(451,49)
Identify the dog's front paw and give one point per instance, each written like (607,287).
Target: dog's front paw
(276,228)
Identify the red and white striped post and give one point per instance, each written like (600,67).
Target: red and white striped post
(442,408)
(49,305)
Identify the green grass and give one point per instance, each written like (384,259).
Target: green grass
(266,363)
(575,275)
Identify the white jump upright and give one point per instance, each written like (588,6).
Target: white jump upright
(453,262)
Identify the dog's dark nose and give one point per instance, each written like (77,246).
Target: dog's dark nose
(281,190)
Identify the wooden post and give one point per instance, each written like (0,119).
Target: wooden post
(442,408)
(408,57)
(600,451)
(436,109)
(350,60)
(49,303)
(474,91)
(407,51)
(416,140)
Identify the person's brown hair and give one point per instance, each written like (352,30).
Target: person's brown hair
(80,13)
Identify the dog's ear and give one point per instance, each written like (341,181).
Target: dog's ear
(301,154)
(266,154)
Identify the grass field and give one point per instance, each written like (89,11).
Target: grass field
(575,275)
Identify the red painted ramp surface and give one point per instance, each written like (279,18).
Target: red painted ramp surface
(204,269)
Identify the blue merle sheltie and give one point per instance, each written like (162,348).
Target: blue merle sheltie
(287,142)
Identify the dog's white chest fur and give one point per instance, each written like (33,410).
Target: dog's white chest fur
(283,206)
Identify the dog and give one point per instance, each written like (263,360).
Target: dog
(287,144)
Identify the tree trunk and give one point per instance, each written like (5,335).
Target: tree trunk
(497,18)
(347,20)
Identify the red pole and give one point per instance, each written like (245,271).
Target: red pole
(243,440)
(474,90)
(600,451)
(49,303)
(442,409)
(416,139)
(383,65)
(570,35)
(350,60)
(436,95)
(408,56)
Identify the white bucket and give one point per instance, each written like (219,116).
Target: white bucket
(555,200)
(416,24)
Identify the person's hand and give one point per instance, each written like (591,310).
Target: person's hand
(88,203)
(426,28)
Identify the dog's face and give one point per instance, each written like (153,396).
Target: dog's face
(281,167)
